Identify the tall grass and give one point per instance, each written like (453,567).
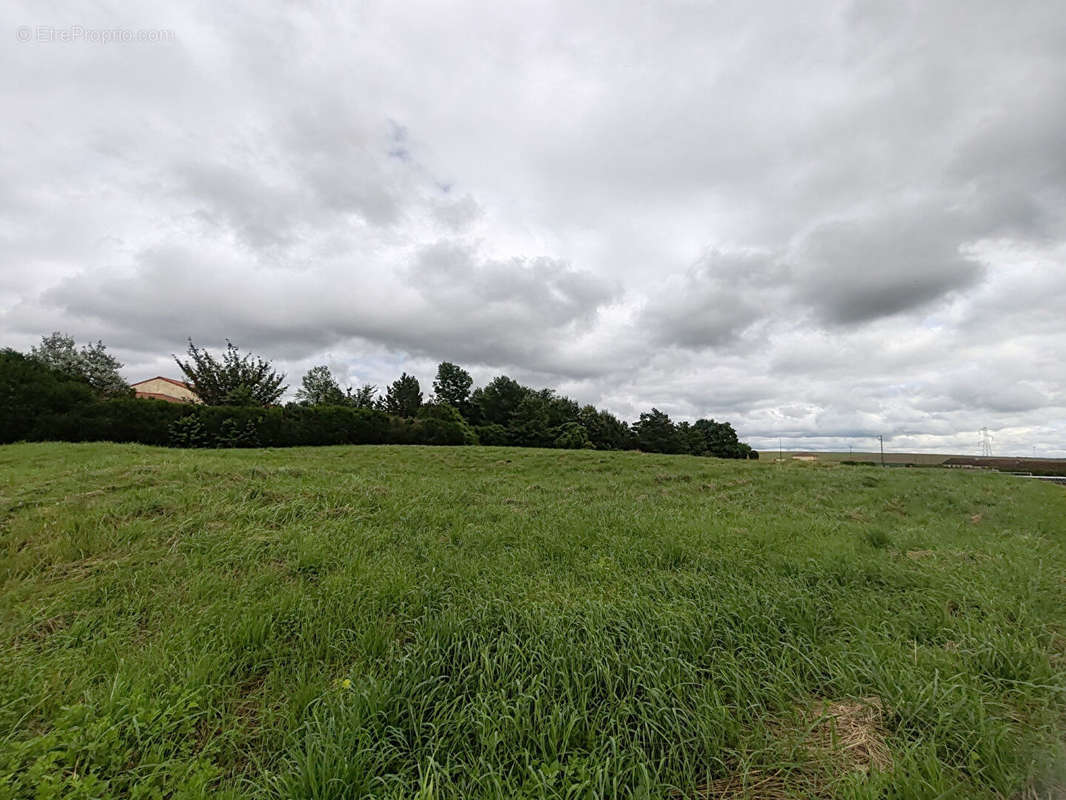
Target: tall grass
(487,622)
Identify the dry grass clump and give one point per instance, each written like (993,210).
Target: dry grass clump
(849,733)
(841,737)
(1054,792)
(755,785)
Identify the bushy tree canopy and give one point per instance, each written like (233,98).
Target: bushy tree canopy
(573,436)
(452,385)
(719,439)
(233,380)
(404,396)
(92,362)
(496,402)
(364,397)
(318,387)
(530,425)
(656,433)
(506,412)
(605,430)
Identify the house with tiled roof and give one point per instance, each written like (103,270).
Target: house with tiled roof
(168,389)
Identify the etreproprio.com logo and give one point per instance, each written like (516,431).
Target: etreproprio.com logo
(70,34)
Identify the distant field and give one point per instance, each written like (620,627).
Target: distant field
(922,459)
(407,622)
(1049,466)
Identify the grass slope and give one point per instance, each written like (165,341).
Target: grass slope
(490,622)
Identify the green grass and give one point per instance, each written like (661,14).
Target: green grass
(406,622)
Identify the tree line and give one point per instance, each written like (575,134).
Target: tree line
(502,412)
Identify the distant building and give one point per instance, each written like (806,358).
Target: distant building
(167,389)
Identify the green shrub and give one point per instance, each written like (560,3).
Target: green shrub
(186,431)
(573,436)
(441,423)
(495,435)
(233,434)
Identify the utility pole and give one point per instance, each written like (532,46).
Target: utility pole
(881,439)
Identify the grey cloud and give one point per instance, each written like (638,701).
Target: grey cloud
(458,213)
(856,270)
(261,214)
(544,291)
(449,303)
(1015,165)
(1009,393)
(716,300)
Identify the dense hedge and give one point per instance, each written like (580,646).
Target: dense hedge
(38,403)
(177,425)
(29,389)
(160,423)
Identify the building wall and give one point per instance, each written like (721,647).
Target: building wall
(160,386)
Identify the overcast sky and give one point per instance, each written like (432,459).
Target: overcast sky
(821,221)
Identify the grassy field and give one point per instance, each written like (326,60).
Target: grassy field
(406,622)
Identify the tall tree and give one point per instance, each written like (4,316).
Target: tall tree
(232,380)
(719,439)
(656,433)
(605,430)
(318,387)
(404,396)
(690,440)
(92,362)
(497,401)
(560,409)
(452,386)
(529,426)
(364,396)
